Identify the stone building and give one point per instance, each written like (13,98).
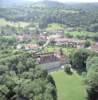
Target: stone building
(69,42)
(51,61)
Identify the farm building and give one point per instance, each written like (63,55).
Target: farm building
(51,61)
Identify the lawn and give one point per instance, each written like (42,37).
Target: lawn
(69,87)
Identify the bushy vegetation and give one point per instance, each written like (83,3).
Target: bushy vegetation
(78,18)
(21,79)
(87,44)
(87,62)
(78,59)
(67,69)
(92,78)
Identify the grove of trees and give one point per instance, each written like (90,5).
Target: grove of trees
(87,62)
(92,78)
(21,79)
(71,17)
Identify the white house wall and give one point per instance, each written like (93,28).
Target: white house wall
(51,65)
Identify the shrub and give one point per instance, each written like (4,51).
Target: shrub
(87,44)
(67,69)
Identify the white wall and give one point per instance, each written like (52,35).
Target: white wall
(51,65)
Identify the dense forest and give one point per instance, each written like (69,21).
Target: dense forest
(21,79)
(46,12)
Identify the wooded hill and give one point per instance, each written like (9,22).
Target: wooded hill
(83,16)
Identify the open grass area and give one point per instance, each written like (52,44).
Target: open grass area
(69,87)
(4,22)
(77,33)
(67,51)
(54,26)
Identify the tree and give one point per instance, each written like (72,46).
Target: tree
(93,27)
(3,69)
(87,44)
(30,63)
(67,69)
(3,92)
(92,79)
(20,67)
(91,61)
(50,79)
(78,59)
(61,51)
(21,79)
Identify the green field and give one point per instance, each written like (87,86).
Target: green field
(77,33)
(4,22)
(66,51)
(55,26)
(69,87)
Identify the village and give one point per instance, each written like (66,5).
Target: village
(56,59)
(49,50)
(56,38)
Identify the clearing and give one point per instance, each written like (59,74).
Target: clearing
(69,87)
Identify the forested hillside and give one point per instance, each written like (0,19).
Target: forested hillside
(72,15)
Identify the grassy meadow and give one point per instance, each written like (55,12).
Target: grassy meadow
(77,33)
(69,87)
(66,51)
(54,26)
(4,22)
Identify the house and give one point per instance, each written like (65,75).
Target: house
(56,36)
(27,37)
(94,47)
(69,42)
(19,38)
(23,37)
(71,29)
(31,46)
(51,61)
(43,38)
(59,32)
